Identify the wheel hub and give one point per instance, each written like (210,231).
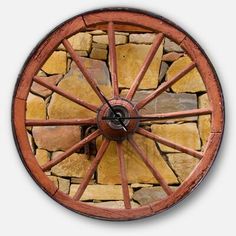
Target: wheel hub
(109,122)
(120,112)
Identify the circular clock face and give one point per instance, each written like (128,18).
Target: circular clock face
(118,114)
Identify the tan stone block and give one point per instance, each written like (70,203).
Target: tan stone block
(99,54)
(99,45)
(42,156)
(130,58)
(122,33)
(119,39)
(146,38)
(54,138)
(79,53)
(56,63)
(191,82)
(75,83)
(100,192)
(80,42)
(182,164)
(184,134)
(97,32)
(75,180)
(35,107)
(41,73)
(138,185)
(75,165)
(64,185)
(113,204)
(30,139)
(54,180)
(108,171)
(43,91)
(204,122)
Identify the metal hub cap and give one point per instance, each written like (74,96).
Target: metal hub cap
(109,119)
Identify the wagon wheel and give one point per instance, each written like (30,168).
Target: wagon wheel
(120,120)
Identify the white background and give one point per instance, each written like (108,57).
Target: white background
(26,210)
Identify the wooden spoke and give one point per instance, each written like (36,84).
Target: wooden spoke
(84,71)
(65,94)
(124,180)
(169,115)
(71,150)
(58,122)
(113,59)
(156,44)
(91,170)
(169,143)
(151,167)
(164,86)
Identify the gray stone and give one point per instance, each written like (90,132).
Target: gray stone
(146,38)
(149,195)
(172,56)
(164,68)
(167,102)
(170,46)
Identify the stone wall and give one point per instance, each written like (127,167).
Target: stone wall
(104,188)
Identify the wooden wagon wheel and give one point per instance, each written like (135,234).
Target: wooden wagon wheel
(180,144)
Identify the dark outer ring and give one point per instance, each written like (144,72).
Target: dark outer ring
(18,111)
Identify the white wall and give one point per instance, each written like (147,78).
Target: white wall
(25,209)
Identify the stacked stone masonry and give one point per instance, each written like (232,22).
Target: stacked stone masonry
(104,189)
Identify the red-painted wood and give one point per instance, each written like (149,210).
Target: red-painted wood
(88,121)
(71,150)
(177,114)
(123,175)
(150,166)
(122,20)
(164,86)
(84,71)
(169,143)
(65,94)
(113,59)
(152,52)
(92,169)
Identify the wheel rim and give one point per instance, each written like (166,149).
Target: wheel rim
(124,21)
